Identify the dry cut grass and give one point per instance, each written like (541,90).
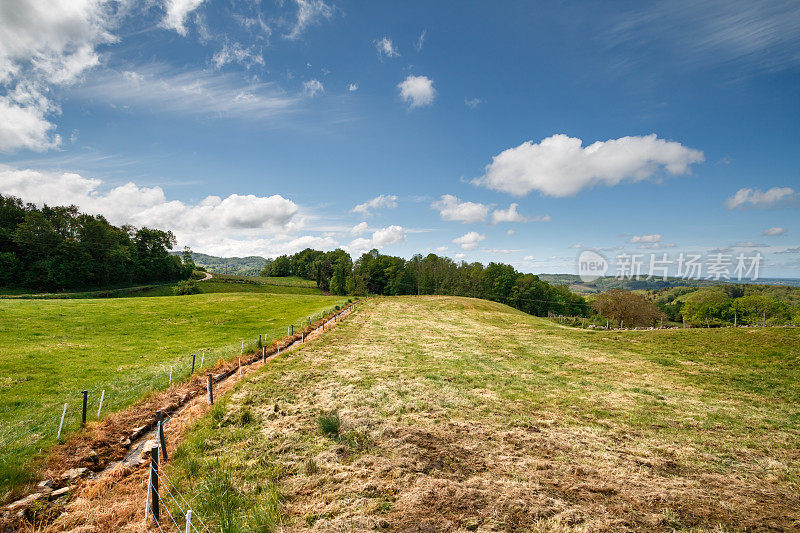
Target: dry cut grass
(452,414)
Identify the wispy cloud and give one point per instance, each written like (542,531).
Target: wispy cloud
(755,36)
(756,198)
(233,52)
(177,12)
(421,40)
(157,87)
(309,12)
(386,47)
(472,103)
(313,87)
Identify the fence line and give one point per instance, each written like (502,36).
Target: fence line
(114,397)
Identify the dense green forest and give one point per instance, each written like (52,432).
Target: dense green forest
(700,305)
(606,283)
(58,248)
(730,304)
(376,273)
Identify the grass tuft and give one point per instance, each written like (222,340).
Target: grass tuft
(329,424)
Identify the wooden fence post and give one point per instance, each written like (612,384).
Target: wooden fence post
(160,433)
(210,389)
(154,503)
(85,401)
(162,440)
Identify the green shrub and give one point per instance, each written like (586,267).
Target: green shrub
(188,286)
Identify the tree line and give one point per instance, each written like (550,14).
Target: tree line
(58,248)
(376,273)
(731,304)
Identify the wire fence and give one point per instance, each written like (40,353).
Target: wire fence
(163,493)
(29,436)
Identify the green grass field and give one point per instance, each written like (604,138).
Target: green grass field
(50,350)
(213,287)
(452,414)
(286,281)
(220,283)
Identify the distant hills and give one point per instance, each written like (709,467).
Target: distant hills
(609,282)
(252,265)
(241,266)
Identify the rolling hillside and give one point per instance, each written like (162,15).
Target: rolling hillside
(454,414)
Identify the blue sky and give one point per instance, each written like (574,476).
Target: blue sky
(503,131)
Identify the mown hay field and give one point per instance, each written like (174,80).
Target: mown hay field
(51,350)
(455,414)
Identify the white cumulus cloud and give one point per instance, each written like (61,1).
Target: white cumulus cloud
(507,215)
(469,241)
(451,208)
(360,228)
(755,198)
(417,91)
(213,225)
(561,166)
(352,87)
(380,239)
(45,44)
(386,201)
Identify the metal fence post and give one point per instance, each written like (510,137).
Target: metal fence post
(102,397)
(61,424)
